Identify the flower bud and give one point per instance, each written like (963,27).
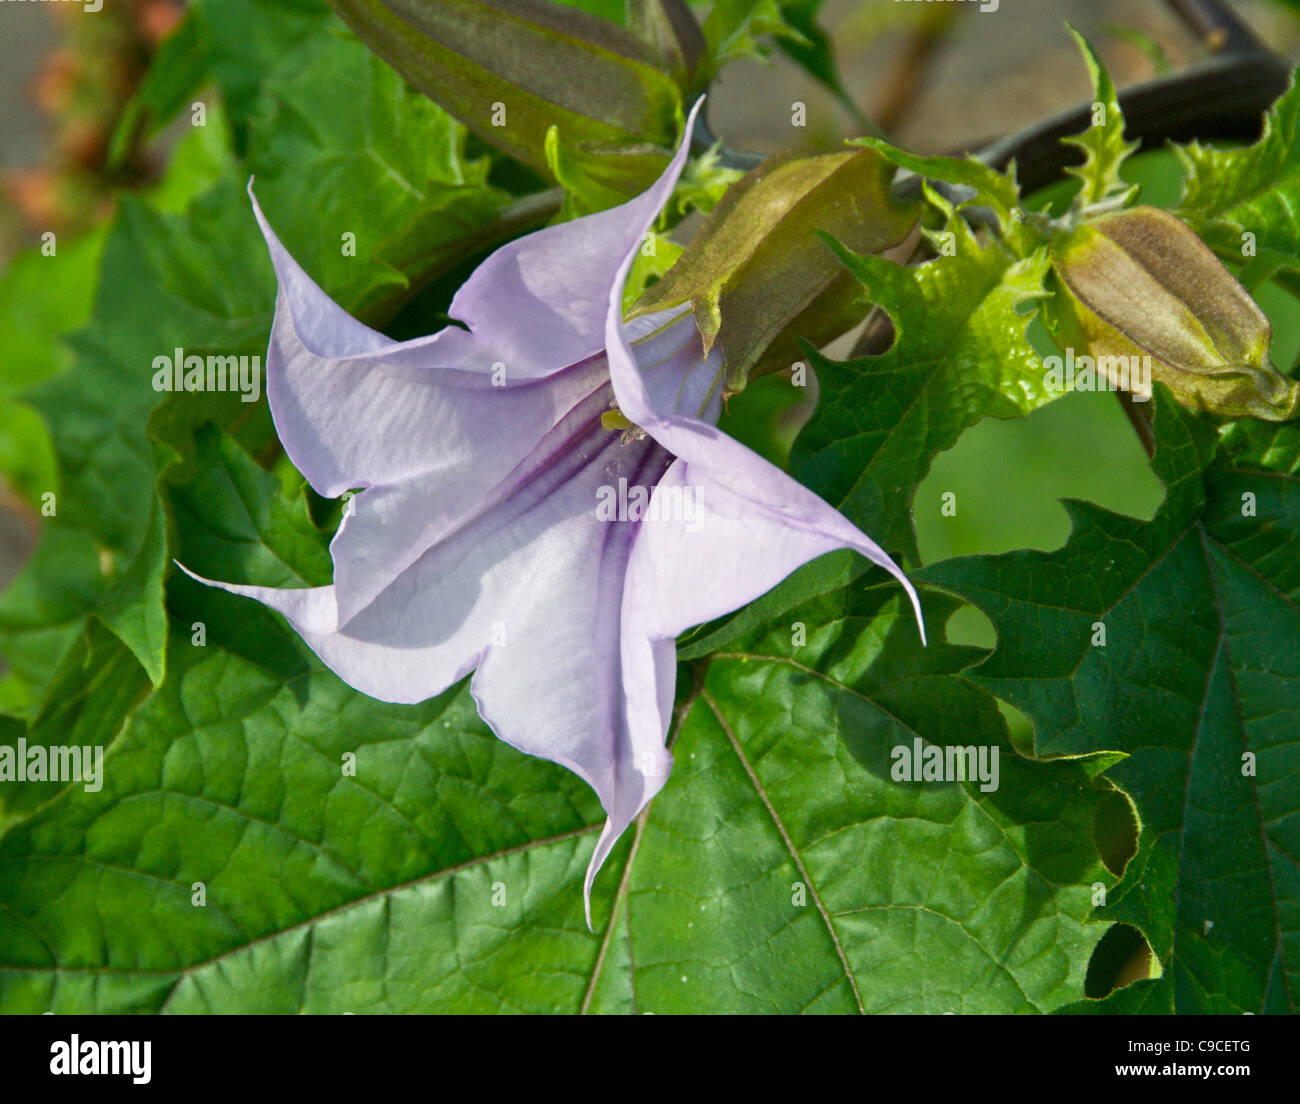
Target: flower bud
(1140,284)
(512,69)
(670,28)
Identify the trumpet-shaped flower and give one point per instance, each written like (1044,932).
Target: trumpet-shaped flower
(545,500)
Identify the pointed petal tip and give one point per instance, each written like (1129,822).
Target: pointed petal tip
(197,578)
(912,596)
(916,609)
(593,868)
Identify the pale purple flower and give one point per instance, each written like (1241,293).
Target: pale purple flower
(479,541)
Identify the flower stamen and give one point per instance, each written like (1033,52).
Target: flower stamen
(615,419)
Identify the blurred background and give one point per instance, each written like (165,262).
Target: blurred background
(937,77)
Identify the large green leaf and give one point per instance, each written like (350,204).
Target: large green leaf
(98,406)
(783,839)
(44,295)
(1195,679)
(380,169)
(95,686)
(245,40)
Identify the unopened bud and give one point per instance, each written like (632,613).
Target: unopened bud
(1140,283)
(511,70)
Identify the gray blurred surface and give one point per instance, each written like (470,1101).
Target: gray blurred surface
(26,33)
(993,73)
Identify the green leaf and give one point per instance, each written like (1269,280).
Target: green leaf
(41,299)
(338,134)
(989,188)
(97,407)
(960,355)
(329,893)
(1196,682)
(231,524)
(178,70)
(1255,190)
(42,613)
(246,39)
(103,543)
(733,28)
(199,161)
(584,193)
(26,453)
(1103,145)
(98,682)
(782,838)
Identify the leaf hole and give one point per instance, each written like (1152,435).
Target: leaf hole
(1121,957)
(1115,830)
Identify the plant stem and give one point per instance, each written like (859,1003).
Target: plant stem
(1220,100)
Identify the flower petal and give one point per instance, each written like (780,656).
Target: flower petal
(732,470)
(488,444)
(555,689)
(431,426)
(354,409)
(707,552)
(433,621)
(552,286)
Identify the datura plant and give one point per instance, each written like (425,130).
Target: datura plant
(848,580)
